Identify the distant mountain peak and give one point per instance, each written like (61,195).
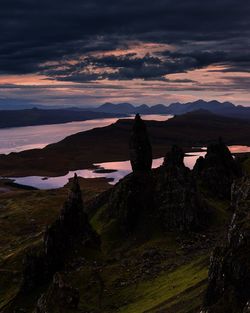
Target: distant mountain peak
(213,106)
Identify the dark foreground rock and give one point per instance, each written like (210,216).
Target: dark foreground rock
(70,229)
(217,170)
(229,274)
(178,202)
(131,202)
(166,197)
(140,147)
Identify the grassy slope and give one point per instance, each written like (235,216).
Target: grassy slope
(183,285)
(23,218)
(130,286)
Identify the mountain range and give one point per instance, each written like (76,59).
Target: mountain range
(49,115)
(221,108)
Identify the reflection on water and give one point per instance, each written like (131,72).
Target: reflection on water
(239,149)
(33,137)
(155,117)
(122,169)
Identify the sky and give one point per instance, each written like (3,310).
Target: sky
(87,52)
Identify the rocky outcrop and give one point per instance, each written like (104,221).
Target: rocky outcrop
(167,196)
(131,199)
(140,147)
(217,170)
(70,229)
(229,274)
(60,296)
(177,200)
(131,202)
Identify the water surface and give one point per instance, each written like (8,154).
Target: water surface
(18,139)
(122,169)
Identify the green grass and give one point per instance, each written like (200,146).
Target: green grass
(23,218)
(179,290)
(168,289)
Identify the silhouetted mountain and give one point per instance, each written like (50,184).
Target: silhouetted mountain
(213,106)
(123,108)
(221,108)
(30,117)
(177,108)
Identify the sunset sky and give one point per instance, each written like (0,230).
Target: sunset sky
(87,52)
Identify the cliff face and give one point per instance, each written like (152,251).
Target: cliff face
(229,274)
(217,170)
(178,202)
(131,202)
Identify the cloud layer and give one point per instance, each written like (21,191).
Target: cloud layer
(183,47)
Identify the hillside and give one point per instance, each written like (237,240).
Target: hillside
(140,246)
(110,143)
(32,117)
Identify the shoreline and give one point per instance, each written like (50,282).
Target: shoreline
(25,172)
(85,149)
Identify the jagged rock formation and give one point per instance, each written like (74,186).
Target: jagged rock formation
(70,229)
(176,197)
(229,274)
(140,147)
(60,296)
(167,196)
(217,170)
(131,199)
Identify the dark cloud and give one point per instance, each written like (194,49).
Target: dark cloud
(148,67)
(35,32)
